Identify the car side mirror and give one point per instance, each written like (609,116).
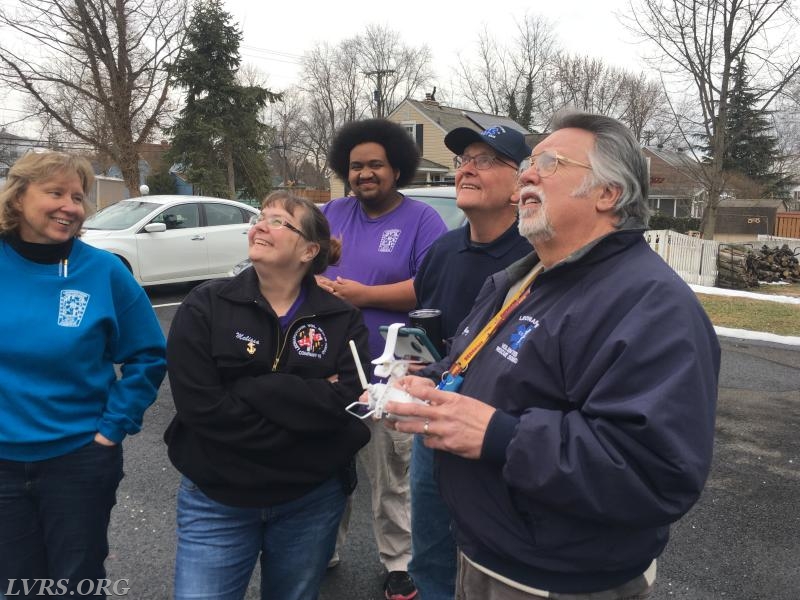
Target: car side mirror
(155,227)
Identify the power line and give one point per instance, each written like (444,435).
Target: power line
(275,52)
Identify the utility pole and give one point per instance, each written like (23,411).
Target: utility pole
(378,93)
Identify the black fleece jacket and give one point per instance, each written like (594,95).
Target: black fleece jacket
(258,422)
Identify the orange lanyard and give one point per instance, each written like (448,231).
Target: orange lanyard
(480,340)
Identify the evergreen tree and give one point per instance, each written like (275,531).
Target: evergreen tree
(219,138)
(161,182)
(752,149)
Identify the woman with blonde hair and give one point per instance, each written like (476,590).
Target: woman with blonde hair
(261,373)
(70,313)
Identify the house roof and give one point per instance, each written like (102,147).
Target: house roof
(10,137)
(448,118)
(672,174)
(750,203)
(429,165)
(675,159)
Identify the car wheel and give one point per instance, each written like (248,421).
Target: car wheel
(124,262)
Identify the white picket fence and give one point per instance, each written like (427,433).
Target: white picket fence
(693,258)
(772,241)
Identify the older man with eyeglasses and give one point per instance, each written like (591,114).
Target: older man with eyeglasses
(449,279)
(574,415)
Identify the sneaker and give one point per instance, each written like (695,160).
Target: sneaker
(399,586)
(334,560)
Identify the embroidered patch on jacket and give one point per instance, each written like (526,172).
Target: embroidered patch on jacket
(510,349)
(389,240)
(310,340)
(71,308)
(252,343)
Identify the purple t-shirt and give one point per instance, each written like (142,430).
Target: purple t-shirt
(380,251)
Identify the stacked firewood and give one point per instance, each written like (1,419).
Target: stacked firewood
(777,264)
(740,267)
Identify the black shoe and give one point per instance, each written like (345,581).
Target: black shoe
(399,586)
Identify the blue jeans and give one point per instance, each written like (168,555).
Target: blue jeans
(218,544)
(54,518)
(433,549)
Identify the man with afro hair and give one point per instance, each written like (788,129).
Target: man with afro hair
(385,236)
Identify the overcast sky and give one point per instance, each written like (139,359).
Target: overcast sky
(276,34)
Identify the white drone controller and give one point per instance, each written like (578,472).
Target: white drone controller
(387,365)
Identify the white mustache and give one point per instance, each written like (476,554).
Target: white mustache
(528,190)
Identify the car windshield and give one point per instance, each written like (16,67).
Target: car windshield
(121,215)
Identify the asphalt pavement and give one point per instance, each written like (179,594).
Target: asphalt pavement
(741,541)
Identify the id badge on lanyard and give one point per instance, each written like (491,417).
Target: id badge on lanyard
(450,383)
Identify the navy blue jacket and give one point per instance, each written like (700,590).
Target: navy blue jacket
(454,269)
(605,383)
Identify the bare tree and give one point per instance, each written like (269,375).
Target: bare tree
(364,75)
(786,121)
(484,79)
(701,41)
(587,84)
(290,151)
(643,104)
(396,70)
(534,47)
(101,68)
(510,78)
(334,87)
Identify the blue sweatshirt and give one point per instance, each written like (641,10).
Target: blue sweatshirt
(63,333)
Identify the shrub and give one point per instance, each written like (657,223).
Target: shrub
(679,224)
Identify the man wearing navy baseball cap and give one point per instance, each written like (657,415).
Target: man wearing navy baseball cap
(449,279)
(503,140)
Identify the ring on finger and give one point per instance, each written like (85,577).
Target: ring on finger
(426,426)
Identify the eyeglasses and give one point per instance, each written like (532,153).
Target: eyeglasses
(481,161)
(276,223)
(546,163)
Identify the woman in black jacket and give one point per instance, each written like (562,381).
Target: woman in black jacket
(261,373)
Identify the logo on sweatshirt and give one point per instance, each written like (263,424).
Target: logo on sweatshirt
(310,340)
(510,349)
(71,308)
(389,240)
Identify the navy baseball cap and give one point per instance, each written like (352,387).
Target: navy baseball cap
(508,142)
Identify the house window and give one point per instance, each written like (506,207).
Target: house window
(415,131)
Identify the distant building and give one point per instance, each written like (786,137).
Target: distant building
(674,187)
(744,219)
(12,147)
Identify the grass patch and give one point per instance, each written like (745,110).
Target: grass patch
(752,315)
(793,289)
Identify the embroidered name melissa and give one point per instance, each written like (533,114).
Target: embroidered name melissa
(246,338)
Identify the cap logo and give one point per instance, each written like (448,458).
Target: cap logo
(493,132)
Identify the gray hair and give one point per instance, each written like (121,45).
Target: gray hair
(617,160)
